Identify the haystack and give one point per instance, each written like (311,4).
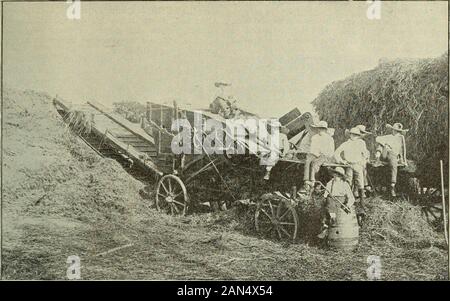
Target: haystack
(411,91)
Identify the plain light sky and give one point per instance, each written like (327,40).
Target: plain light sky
(276,55)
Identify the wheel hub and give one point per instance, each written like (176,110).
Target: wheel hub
(169,198)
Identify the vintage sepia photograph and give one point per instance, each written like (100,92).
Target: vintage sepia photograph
(225,140)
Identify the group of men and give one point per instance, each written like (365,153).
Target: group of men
(352,155)
(319,146)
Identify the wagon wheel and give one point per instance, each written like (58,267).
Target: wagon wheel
(275,218)
(171,195)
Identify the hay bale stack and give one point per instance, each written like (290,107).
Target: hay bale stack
(413,92)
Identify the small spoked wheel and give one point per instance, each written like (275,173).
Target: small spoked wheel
(276,219)
(171,195)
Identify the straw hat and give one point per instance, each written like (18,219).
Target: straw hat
(353,131)
(221,84)
(362,129)
(339,171)
(321,125)
(397,127)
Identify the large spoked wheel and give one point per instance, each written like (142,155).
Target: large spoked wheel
(171,195)
(276,219)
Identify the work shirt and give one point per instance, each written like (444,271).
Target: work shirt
(340,188)
(395,143)
(305,142)
(322,145)
(352,151)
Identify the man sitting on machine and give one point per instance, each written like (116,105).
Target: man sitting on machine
(277,150)
(224,105)
(392,150)
(321,150)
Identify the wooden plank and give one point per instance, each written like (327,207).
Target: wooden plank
(290,116)
(123,122)
(141,144)
(133,154)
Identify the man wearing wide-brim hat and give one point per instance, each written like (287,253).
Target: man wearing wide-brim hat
(354,153)
(278,148)
(392,149)
(321,150)
(364,132)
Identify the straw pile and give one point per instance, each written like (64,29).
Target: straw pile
(413,92)
(80,122)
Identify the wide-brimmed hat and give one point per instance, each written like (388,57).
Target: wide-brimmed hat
(221,84)
(397,127)
(362,129)
(354,131)
(320,125)
(338,170)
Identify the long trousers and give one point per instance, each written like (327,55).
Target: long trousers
(391,158)
(356,171)
(312,166)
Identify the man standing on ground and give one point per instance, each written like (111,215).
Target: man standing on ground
(364,133)
(354,153)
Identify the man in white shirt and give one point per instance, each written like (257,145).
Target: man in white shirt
(364,133)
(279,149)
(354,153)
(392,149)
(320,151)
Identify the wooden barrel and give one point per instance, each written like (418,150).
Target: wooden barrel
(344,234)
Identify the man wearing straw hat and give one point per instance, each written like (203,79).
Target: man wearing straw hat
(392,149)
(354,153)
(282,145)
(224,103)
(320,151)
